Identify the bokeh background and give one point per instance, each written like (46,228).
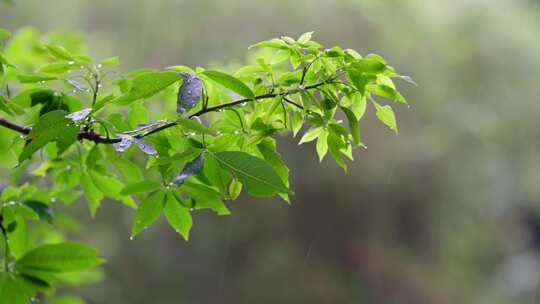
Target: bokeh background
(445,212)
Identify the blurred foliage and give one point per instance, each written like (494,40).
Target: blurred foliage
(446,212)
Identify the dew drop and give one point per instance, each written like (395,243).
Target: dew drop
(236,132)
(53,199)
(42,82)
(99,66)
(191,209)
(71,62)
(131,238)
(192,134)
(74,91)
(243,104)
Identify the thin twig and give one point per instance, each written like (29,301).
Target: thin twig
(293,103)
(95,137)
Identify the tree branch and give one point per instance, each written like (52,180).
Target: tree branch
(97,138)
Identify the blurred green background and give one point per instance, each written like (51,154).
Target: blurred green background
(445,212)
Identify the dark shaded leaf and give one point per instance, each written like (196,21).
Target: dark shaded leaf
(189,93)
(190,169)
(44,211)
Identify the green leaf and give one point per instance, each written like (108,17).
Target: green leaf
(386,115)
(4,34)
(110,61)
(322,144)
(335,145)
(354,127)
(148,84)
(358,106)
(230,82)
(34,77)
(111,187)
(193,125)
(4,106)
(92,194)
(19,237)
(12,290)
(215,173)
(369,65)
(274,43)
(62,257)
(311,135)
(178,216)
(59,52)
(235,188)
(140,187)
(296,122)
(256,174)
(55,68)
(52,126)
(205,197)
(148,212)
(386,92)
(305,37)
(267,147)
